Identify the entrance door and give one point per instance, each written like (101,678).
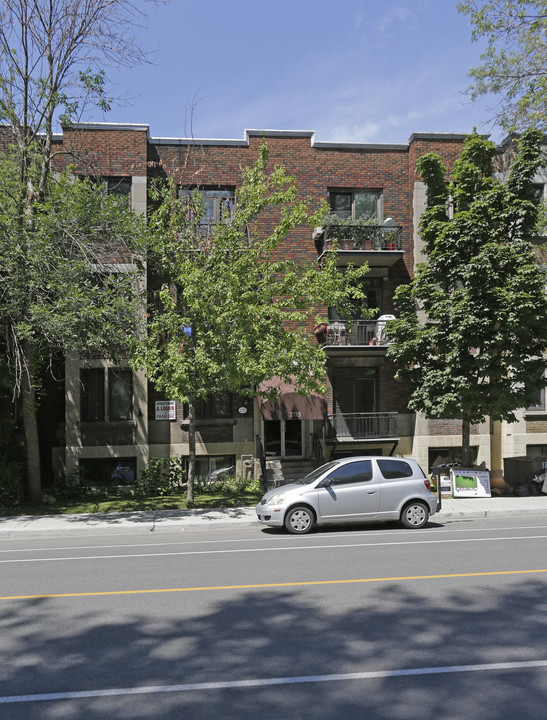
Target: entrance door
(283,438)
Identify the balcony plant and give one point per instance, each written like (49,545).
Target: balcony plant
(346,233)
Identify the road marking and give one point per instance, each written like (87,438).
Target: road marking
(125,556)
(331,535)
(259,586)
(265,682)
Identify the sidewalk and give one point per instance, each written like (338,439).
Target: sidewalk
(179,520)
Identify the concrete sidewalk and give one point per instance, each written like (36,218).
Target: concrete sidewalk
(179,520)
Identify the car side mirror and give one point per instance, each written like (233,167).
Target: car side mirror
(325,482)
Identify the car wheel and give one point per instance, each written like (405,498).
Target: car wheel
(299,520)
(415,515)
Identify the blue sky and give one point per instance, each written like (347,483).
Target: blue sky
(351,70)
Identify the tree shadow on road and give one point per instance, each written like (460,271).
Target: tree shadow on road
(57,645)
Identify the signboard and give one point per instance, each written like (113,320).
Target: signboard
(470,483)
(166,410)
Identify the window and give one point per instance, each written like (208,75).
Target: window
(215,406)
(538,404)
(536,450)
(355,472)
(120,394)
(357,205)
(449,455)
(539,400)
(372,287)
(106,395)
(118,186)
(355,391)
(216,205)
(92,394)
(392,469)
(213,467)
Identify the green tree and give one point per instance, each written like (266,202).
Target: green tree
(58,236)
(475,346)
(513,67)
(231,311)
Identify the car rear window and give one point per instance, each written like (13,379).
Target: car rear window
(391,469)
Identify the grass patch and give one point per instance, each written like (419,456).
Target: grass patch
(129,503)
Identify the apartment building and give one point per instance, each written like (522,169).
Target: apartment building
(114,414)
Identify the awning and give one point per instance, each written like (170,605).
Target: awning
(289,405)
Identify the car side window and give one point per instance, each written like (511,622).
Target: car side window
(354,472)
(392,469)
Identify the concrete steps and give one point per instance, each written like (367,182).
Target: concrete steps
(283,472)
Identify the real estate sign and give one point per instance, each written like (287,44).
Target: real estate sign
(166,410)
(470,483)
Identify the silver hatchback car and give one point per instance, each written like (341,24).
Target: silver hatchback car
(355,489)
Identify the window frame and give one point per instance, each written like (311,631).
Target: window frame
(353,193)
(222,203)
(101,395)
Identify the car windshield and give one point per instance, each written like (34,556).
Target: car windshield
(310,477)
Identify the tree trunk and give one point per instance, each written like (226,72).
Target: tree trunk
(466,446)
(30,426)
(191,450)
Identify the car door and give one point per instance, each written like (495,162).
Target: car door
(353,493)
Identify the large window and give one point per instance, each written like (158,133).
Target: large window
(213,407)
(355,390)
(213,467)
(356,204)
(536,450)
(106,395)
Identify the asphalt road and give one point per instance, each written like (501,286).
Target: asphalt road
(372,622)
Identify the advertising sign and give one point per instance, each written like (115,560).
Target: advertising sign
(470,483)
(166,410)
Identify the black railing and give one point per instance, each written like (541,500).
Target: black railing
(361,237)
(358,332)
(359,426)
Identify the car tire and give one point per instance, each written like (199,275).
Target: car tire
(299,520)
(415,515)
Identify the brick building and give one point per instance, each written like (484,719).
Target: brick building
(113,413)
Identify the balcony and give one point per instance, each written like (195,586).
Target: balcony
(377,245)
(359,333)
(345,427)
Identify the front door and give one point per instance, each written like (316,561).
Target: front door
(283,438)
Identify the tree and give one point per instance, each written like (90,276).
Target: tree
(476,348)
(57,235)
(230,312)
(514,65)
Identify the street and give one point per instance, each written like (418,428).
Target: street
(370,622)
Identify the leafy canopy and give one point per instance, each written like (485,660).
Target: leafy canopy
(231,309)
(514,65)
(59,286)
(475,346)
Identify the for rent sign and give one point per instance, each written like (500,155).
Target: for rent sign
(166,410)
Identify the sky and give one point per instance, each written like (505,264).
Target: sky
(369,71)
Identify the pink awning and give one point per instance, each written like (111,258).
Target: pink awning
(289,405)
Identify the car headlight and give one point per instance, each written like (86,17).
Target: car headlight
(276,499)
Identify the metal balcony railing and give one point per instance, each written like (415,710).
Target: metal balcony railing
(360,426)
(358,332)
(361,237)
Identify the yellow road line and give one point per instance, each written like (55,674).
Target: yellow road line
(273,585)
